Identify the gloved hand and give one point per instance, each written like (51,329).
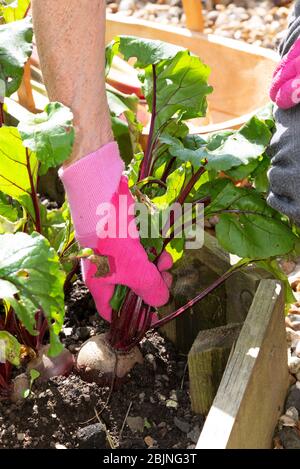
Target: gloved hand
(284,174)
(94,180)
(285,88)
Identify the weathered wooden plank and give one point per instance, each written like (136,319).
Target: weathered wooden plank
(193,13)
(253,388)
(207,360)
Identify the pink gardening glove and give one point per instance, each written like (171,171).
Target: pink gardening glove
(285,88)
(94,180)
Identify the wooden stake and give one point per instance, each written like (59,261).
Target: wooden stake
(207,360)
(193,13)
(253,388)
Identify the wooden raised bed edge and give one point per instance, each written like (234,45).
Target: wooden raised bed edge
(251,395)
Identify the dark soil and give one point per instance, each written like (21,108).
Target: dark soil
(156,391)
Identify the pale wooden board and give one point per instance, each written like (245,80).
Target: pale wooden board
(254,385)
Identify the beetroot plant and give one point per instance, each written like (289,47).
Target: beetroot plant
(38,253)
(177,167)
(34,240)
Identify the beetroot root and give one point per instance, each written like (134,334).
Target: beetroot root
(49,367)
(19,385)
(98,362)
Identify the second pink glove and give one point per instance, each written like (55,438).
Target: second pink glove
(285,88)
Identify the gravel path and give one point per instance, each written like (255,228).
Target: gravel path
(258,22)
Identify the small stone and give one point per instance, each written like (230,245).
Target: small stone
(150,442)
(151,359)
(92,437)
(142,396)
(83,333)
(59,446)
(162,425)
(126,5)
(292,337)
(286,421)
(136,424)
(289,438)
(172,404)
(161,397)
(194,434)
(293,398)
(67,331)
(297,349)
(212,15)
(21,436)
(114,7)
(182,425)
(294,364)
(293,413)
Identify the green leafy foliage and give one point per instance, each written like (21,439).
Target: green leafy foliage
(34,375)
(180,78)
(146,51)
(14,10)
(9,217)
(174,182)
(50,135)
(15,48)
(175,85)
(16,168)
(248,227)
(181,88)
(272,266)
(175,166)
(31,278)
(224,151)
(10,349)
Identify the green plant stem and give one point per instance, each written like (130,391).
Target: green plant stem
(34,196)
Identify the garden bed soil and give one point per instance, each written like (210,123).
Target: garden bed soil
(62,412)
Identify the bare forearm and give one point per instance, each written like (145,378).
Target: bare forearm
(70,37)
